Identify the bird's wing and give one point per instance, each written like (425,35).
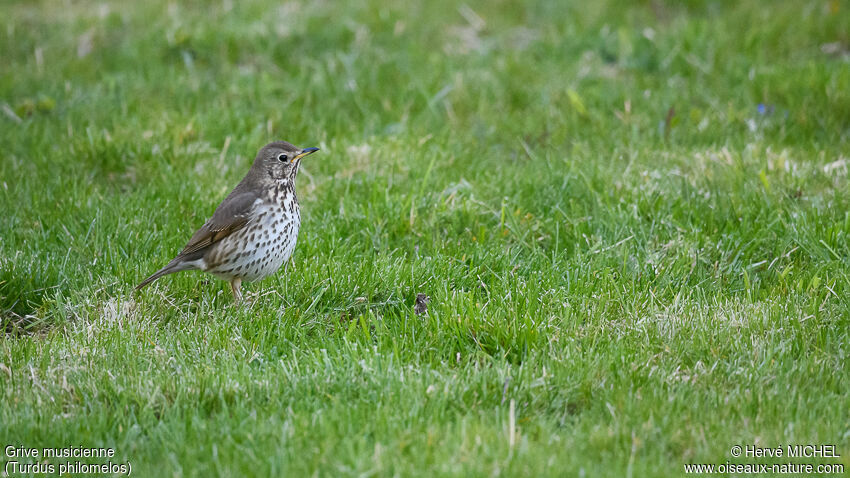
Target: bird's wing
(230,216)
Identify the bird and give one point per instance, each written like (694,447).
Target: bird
(254,229)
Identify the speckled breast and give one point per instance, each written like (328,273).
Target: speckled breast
(261,247)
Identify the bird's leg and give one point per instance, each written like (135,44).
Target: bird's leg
(236,287)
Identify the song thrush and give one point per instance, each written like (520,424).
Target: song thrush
(253,231)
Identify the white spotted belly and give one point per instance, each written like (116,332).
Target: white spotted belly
(259,249)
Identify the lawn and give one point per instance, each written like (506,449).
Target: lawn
(632,219)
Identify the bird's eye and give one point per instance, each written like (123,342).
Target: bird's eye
(282,158)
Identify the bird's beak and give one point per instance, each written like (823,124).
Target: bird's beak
(305,152)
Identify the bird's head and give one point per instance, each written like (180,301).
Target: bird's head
(279,161)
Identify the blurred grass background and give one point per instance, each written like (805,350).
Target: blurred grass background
(631,218)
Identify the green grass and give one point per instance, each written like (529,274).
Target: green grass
(618,244)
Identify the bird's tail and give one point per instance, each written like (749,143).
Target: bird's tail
(176,265)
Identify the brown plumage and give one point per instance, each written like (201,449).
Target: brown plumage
(254,230)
